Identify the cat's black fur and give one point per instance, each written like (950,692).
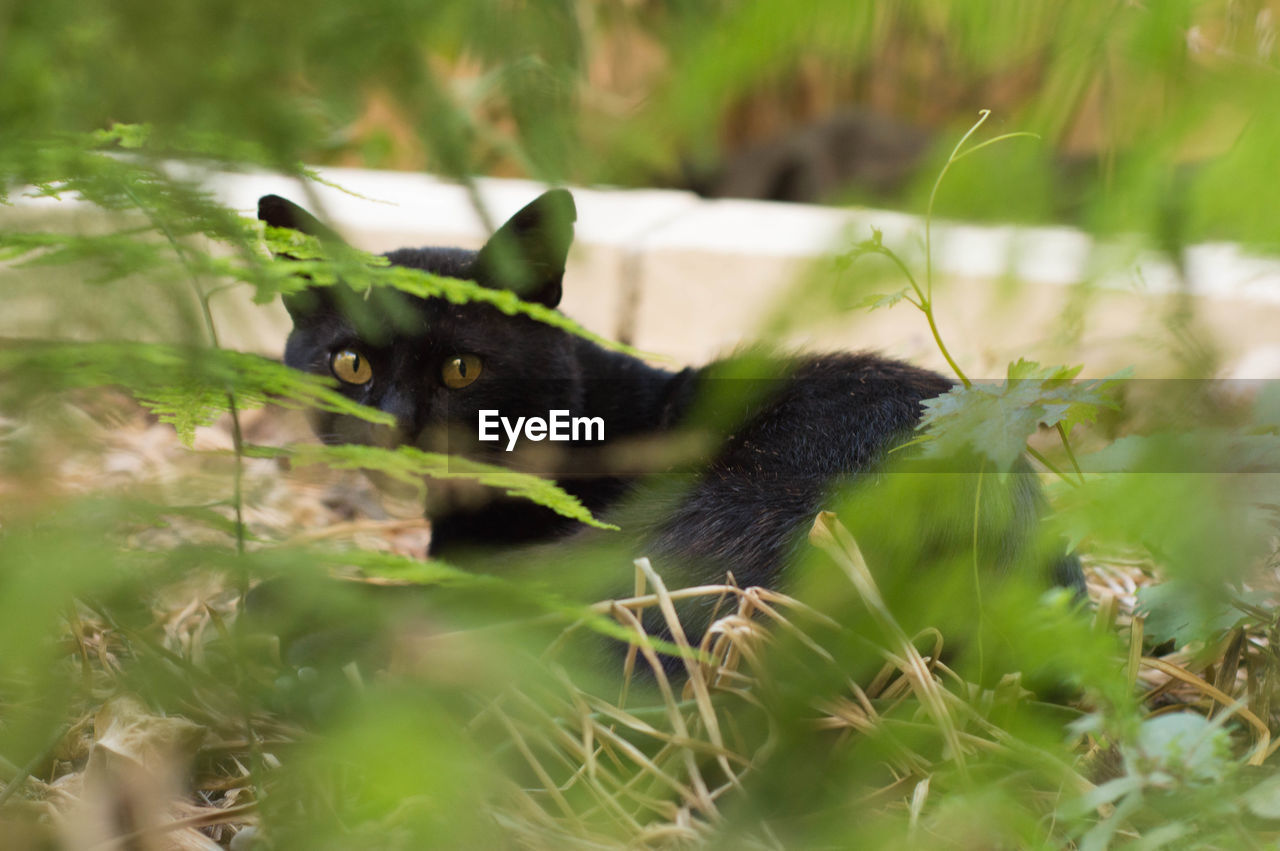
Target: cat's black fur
(832,417)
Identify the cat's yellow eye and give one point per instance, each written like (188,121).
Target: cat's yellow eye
(460,370)
(351,367)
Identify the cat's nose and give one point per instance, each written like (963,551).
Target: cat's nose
(404,408)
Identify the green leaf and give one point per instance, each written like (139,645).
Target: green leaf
(317,264)
(406,569)
(1263,800)
(995,420)
(410,465)
(1108,793)
(1200,450)
(876,301)
(1028,369)
(1188,747)
(1183,611)
(113,255)
(185,387)
(128,136)
(872,245)
(982,418)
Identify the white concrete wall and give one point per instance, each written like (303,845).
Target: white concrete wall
(689,278)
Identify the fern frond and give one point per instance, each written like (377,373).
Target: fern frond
(409,464)
(185,387)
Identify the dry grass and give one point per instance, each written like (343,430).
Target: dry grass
(598,773)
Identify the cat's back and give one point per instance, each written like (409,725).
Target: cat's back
(827,415)
(825,420)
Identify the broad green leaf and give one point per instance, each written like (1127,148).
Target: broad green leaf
(1263,800)
(982,418)
(1187,746)
(1183,611)
(995,420)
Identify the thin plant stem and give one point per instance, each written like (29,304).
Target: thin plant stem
(911,279)
(237,436)
(1066,444)
(1036,454)
(925,294)
(933,195)
(1019,134)
(926,299)
(977,573)
(27,770)
(927,308)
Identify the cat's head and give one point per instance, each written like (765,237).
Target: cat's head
(432,364)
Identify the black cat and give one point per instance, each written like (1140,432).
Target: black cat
(781,445)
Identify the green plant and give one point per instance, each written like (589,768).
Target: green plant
(460,714)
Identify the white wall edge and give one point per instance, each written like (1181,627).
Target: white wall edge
(409,209)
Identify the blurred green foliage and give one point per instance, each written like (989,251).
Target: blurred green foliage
(478,735)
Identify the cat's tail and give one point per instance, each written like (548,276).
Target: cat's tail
(1067,573)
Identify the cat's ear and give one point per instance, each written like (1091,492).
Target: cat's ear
(527,254)
(281,213)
